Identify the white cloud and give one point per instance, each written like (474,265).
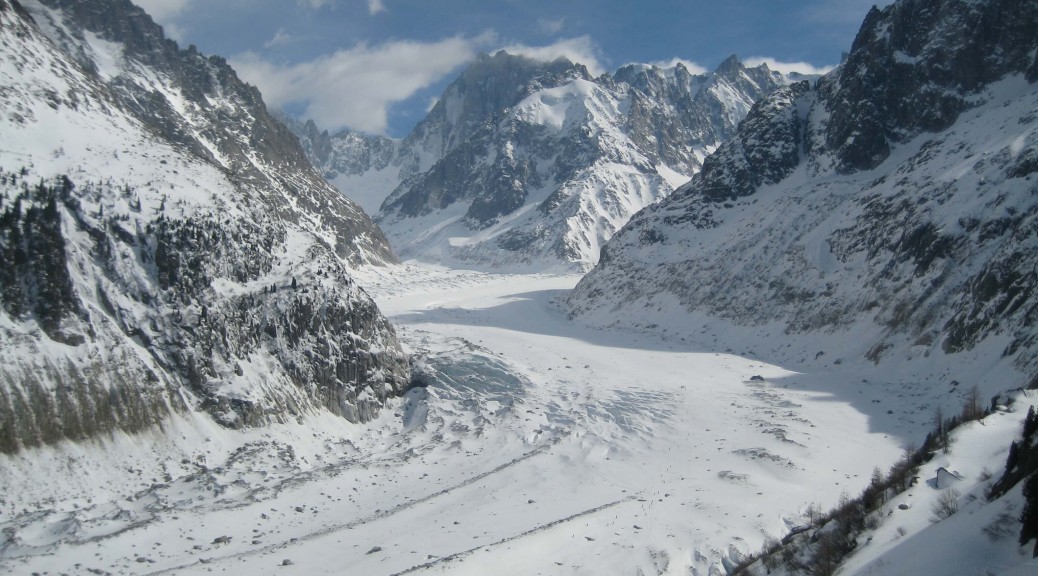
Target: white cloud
(166,13)
(376,6)
(163,11)
(175,32)
(786,67)
(689,65)
(549,26)
(356,87)
(281,38)
(580,49)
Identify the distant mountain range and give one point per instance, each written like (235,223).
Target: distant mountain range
(533,165)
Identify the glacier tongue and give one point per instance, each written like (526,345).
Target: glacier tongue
(531,443)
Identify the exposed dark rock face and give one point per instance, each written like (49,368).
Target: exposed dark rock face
(183,255)
(895,198)
(914,66)
(765,150)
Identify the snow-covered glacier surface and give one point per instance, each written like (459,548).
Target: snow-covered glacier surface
(532,445)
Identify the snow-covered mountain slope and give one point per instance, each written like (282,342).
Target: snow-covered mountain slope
(886,214)
(532,165)
(166,245)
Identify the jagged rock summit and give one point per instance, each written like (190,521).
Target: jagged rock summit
(889,208)
(531,165)
(166,245)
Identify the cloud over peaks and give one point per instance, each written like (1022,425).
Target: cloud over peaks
(356,87)
(166,13)
(163,11)
(581,50)
(689,65)
(787,67)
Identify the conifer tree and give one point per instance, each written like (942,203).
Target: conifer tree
(1030,424)
(1029,517)
(1013,458)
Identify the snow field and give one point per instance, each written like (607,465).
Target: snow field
(537,446)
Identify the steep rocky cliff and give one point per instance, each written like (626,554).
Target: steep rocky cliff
(166,244)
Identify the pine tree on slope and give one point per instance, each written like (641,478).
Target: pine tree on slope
(1030,424)
(1029,517)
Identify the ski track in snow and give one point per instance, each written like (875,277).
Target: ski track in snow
(537,446)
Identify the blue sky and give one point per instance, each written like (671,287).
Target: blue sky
(376,65)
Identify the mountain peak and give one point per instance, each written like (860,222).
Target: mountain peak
(504,55)
(915,64)
(488,85)
(730,65)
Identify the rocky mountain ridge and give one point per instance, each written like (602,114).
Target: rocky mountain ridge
(172,248)
(891,205)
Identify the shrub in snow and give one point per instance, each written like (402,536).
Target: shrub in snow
(946,505)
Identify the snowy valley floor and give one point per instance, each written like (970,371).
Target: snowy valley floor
(537,447)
